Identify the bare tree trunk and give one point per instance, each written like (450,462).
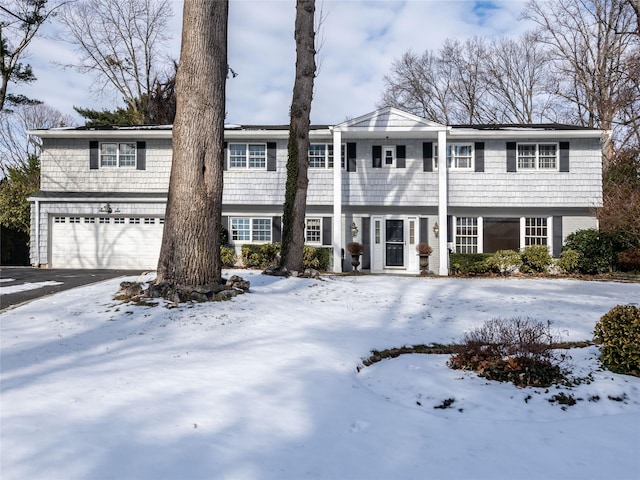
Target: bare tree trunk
(190,253)
(298,161)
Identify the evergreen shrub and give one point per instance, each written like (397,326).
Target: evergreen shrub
(228,256)
(596,249)
(618,334)
(260,256)
(568,261)
(505,261)
(535,259)
(469,263)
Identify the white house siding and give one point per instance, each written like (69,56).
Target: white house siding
(65,167)
(389,185)
(495,187)
(571,224)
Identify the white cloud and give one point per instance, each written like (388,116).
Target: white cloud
(360,39)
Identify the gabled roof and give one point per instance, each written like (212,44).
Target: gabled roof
(389,119)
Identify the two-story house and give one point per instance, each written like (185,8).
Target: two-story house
(378,179)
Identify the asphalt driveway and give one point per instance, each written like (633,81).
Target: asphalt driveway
(66,279)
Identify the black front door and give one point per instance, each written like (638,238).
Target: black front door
(394,250)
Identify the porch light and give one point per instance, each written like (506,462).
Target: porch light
(436,229)
(354,229)
(106,208)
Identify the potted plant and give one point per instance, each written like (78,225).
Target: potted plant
(355,249)
(424,250)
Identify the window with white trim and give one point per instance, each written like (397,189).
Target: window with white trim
(89,219)
(389,155)
(119,220)
(59,219)
(321,155)
(74,219)
(134,220)
(247,155)
(535,231)
(343,153)
(466,235)
(118,154)
(149,221)
(261,229)
(459,156)
(250,229)
(104,220)
(313,230)
(161,220)
(537,156)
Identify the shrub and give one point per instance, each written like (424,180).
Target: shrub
(596,249)
(629,260)
(260,256)
(568,261)
(465,263)
(318,258)
(505,261)
(228,256)
(618,333)
(515,350)
(535,259)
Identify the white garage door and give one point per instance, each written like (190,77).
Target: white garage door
(105,242)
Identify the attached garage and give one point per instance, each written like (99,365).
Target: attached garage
(105,242)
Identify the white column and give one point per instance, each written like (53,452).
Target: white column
(443,268)
(337,200)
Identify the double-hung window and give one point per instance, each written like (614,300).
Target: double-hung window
(313,230)
(537,156)
(466,235)
(250,229)
(118,154)
(459,156)
(343,150)
(321,155)
(535,231)
(248,155)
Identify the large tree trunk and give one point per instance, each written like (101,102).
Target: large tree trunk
(298,161)
(190,253)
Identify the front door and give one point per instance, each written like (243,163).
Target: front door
(394,247)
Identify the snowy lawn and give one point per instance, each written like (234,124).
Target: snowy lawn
(266,386)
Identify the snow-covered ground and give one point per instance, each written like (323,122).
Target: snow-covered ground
(23,287)
(266,386)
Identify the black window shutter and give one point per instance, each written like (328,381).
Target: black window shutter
(424,230)
(351,157)
(557,236)
(511,157)
(401,156)
(376,156)
(427,157)
(224,222)
(366,243)
(449,228)
(276,229)
(326,231)
(479,151)
(564,156)
(141,148)
(224,156)
(271,157)
(94,158)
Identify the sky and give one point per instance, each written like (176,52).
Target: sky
(271,385)
(359,39)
